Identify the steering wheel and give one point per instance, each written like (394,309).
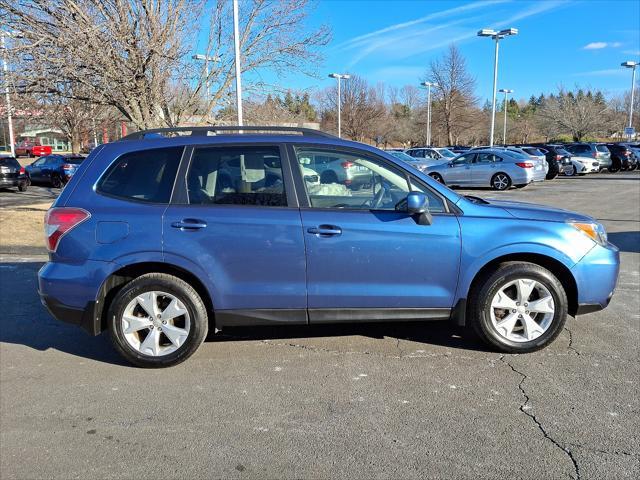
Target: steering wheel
(379,196)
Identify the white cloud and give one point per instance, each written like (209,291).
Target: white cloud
(595,45)
(601,45)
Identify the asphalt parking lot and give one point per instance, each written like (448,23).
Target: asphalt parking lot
(381,401)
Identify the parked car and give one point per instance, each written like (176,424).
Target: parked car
(558,158)
(29,148)
(418,163)
(533,154)
(635,148)
(54,170)
(519,153)
(497,168)
(145,243)
(12,174)
(430,153)
(597,151)
(623,154)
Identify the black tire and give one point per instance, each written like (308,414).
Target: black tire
(522,185)
(179,289)
(484,290)
(437,177)
(56,181)
(497,184)
(551,176)
(575,171)
(23,187)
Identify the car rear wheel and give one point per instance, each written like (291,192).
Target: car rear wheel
(56,181)
(500,181)
(520,307)
(23,187)
(551,176)
(437,177)
(157,320)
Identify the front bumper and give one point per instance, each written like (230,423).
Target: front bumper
(596,276)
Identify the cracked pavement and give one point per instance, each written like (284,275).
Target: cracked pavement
(354,401)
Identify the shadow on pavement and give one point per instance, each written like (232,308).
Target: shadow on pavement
(626,241)
(26,322)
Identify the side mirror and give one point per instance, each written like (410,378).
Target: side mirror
(416,204)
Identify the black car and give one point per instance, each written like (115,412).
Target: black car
(12,174)
(458,149)
(623,154)
(557,157)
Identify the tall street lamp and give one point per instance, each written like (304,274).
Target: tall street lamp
(632,66)
(5,70)
(429,85)
(206,59)
(497,36)
(339,76)
(506,92)
(236,45)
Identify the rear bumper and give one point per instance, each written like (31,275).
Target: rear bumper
(596,278)
(12,182)
(82,317)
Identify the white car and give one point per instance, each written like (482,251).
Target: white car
(583,165)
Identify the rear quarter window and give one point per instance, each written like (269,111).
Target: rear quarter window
(145,175)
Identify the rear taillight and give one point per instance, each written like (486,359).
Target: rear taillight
(595,155)
(22,171)
(558,157)
(627,153)
(525,164)
(59,221)
(347,164)
(67,166)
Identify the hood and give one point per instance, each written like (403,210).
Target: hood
(532,211)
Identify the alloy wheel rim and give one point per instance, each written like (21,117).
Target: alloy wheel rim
(155,323)
(522,310)
(500,182)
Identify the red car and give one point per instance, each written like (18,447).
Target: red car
(32,149)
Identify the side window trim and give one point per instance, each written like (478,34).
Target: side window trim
(181,195)
(301,191)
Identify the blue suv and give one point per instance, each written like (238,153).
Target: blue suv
(170,232)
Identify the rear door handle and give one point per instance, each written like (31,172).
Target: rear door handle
(325,230)
(189,224)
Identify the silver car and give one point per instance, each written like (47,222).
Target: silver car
(596,151)
(431,153)
(418,163)
(496,168)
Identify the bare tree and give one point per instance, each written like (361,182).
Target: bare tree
(575,113)
(133,55)
(362,107)
(455,93)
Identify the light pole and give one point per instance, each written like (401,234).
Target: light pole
(236,44)
(497,36)
(632,66)
(206,59)
(339,76)
(429,85)
(5,70)
(506,92)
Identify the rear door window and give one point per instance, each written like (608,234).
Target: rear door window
(237,176)
(144,175)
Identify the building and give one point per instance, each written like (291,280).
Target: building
(47,136)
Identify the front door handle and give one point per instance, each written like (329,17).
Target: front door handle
(189,224)
(325,230)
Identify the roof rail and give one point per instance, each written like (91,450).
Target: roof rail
(216,130)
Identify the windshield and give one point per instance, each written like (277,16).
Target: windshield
(8,162)
(74,160)
(402,156)
(562,151)
(602,148)
(515,154)
(446,153)
(533,151)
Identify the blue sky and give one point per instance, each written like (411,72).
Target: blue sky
(568,43)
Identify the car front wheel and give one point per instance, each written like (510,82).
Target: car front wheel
(157,320)
(520,307)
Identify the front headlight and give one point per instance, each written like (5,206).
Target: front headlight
(594,231)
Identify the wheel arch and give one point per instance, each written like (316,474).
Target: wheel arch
(122,276)
(555,266)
